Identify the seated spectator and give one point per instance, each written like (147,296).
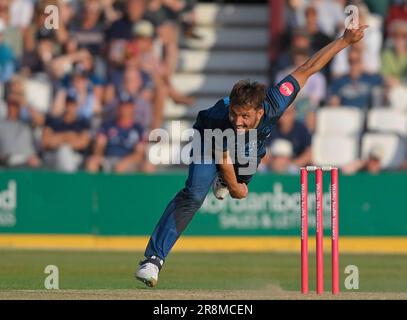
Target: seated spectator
(66,139)
(16,140)
(331,15)
(119,33)
(354,89)
(371,46)
(119,144)
(394,58)
(15,90)
(290,129)
(372,164)
(298,40)
(396,12)
(279,159)
(7,58)
(88,31)
(81,85)
(139,86)
(12,35)
(42,44)
(311,95)
(318,38)
(141,54)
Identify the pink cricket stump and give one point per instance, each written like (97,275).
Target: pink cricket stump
(334,229)
(319,230)
(304,231)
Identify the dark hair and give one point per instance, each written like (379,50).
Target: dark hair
(246,93)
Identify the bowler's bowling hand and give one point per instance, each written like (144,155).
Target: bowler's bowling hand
(239,192)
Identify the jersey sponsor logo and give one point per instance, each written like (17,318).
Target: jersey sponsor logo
(287,89)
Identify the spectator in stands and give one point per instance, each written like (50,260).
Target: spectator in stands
(119,33)
(16,140)
(141,54)
(7,58)
(371,46)
(140,87)
(88,104)
(279,158)
(396,12)
(354,89)
(12,35)
(331,15)
(79,59)
(21,13)
(88,31)
(311,96)
(41,44)
(295,14)
(372,164)
(119,146)
(15,91)
(394,58)
(290,129)
(298,40)
(66,139)
(318,38)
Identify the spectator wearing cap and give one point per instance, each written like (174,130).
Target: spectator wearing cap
(396,12)
(394,57)
(372,164)
(288,128)
(279,159)
(16,140)
(89,106)
(66,139)
(7,57)
(356,88)
(119,145)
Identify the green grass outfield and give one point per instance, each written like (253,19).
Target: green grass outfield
(248,273)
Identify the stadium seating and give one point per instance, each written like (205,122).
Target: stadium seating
(340,121)
(398,98)
(335,150)
(38,93)
(393,148)
(387,120)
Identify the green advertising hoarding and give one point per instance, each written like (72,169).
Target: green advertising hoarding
(55,203)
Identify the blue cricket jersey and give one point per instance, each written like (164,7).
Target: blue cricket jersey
(278,99)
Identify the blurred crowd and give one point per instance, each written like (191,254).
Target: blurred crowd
(86,93)
(362,76)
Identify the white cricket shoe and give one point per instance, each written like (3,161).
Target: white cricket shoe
(220,188)
(148,271)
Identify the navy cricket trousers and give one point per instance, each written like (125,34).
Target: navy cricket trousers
(183,207)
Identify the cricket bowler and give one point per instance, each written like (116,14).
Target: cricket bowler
(250,106)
